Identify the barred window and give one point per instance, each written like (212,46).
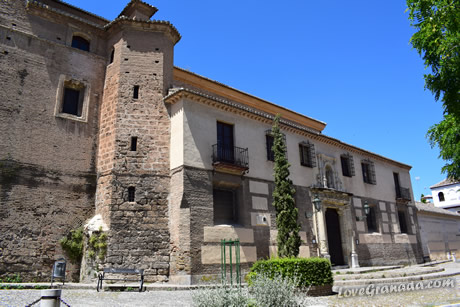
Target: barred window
(307,154)
(371,220)
(348,166)
(368,169)
(402,221)
(224,207)
(270,141)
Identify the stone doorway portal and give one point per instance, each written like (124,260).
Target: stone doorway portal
(334,238)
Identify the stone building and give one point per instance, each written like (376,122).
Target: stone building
(98,125)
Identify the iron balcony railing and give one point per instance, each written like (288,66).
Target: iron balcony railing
(403,193)
(231,155)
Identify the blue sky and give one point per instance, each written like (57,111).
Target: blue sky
(347,63)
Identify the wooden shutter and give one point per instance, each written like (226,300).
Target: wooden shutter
(372,171)
(351,165)
(311,150)
(302,154)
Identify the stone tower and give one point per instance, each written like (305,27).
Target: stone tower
(133,153)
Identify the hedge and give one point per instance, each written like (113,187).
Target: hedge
(305,271)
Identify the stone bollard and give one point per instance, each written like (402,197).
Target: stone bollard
(51,298)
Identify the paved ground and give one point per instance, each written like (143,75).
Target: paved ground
(85,297)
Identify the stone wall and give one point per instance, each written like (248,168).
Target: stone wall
(196,241)
(47,168)
(138,228)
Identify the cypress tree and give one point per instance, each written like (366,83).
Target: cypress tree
(283,198)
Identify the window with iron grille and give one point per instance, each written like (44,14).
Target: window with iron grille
(348,166)
(371,220)
(402,221)
(224,207)
(368,169)
(269,141)
(307,154)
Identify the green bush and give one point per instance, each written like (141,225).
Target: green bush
(304,272)
(72,244)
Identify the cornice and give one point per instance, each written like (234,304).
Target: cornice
(223,90)
(146,25)
(34,4)
(267,118)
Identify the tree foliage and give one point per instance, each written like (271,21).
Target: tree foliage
(437,40)
(446,135)
(283,199)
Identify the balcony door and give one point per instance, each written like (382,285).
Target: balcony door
(225,147)
(397,186)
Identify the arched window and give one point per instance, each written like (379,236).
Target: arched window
(329,177)
(80,43)
(441,196)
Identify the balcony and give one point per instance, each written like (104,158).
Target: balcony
(230,159)
(403,194)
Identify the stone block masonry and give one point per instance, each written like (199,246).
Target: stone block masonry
(47,163)
(134,179)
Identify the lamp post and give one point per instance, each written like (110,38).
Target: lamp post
(366,208)
(354,242)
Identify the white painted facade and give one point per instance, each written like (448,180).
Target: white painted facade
(193,132)
(450,194)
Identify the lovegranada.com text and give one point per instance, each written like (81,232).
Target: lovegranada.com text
(371,290)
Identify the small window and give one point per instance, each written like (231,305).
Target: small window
(72,102)
(307,154)
(134,143)
(371,220)
(348,167)
(131,194)
(112,55)
(269,139)
(441,196)
(224,207)
(80,43)
(269,142)
(368,172)
(72,99)
(136,91)
(402,221)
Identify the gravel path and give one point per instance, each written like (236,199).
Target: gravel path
(77,298)
(74,298)
(183,298)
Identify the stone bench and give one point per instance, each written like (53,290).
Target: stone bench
(114,271)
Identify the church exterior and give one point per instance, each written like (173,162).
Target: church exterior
(101,129)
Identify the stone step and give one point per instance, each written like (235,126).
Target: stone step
(365,282)
(361,270)
(400,272)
